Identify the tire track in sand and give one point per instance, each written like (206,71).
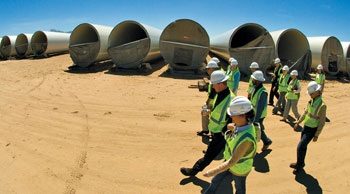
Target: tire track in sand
(79,168)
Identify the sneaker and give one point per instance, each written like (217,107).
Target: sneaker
(188,171)
(200,133)
(266,146)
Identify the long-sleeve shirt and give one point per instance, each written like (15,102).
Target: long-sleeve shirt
(322,119)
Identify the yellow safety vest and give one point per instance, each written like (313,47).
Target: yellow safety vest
(290,94)
(218,119)
(210,87)
(250,87)
(255,99)
(231,79)
(319,78)
(313,109)
(283,85)
(245,164)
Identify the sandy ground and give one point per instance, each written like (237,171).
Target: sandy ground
(79,132)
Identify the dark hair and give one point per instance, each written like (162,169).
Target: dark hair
(250,116)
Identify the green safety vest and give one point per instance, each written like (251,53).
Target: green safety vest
(313,109)
(278,71)
(245,164)
(218,119)
(283,85)
(210,87)
(250,87)
(231,79)
(290,94)
(255,99)
(319,78)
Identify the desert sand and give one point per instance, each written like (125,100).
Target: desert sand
(82,132)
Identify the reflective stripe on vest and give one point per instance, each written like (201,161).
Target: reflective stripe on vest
(218,115)
(312,116)
(245,163)
(283,85)
(290,94)
(255,99)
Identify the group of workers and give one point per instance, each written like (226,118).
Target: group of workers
(235,123)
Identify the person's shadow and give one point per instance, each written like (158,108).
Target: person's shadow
(260,163)
(311,184)
(224,187)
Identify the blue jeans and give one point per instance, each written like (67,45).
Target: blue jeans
(307,134)
(217,180)
(264,138)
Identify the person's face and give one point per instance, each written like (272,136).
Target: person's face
(319,71)
(278,64)
(293,76)
(252,70)
(237,118)
(218,87)
(285,72)
(315,94)
(233,67)
(210,71)
(255,82)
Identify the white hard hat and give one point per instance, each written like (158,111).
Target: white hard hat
(254,65)
(313,87)
(215,59)
(320,67)
(218,77)
(258,75)
(233,61)
(239,105)
(212,64)
(277,60)
(285,68)
(294,72)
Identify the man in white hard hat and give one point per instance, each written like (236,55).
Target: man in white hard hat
(314,120)
(217,61)
(211,67)
(217,123)
(293,94)
(282,89)
(275,77)
(320,77)
(240,148)
(259,102)
(253,67)
(234,75)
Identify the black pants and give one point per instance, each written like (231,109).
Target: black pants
(216,145)
(306,136)
(273,93)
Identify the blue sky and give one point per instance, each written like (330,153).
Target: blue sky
(312,17)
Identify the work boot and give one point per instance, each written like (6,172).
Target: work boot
(201,133)
(188,171)
(295,165)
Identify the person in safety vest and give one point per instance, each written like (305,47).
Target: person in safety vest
(253,67)
(282,89)
(234,75)
(240,148)
(320,77)
(314,120)
(275,77)
(259,102)
(211,67)
(293,95)
(217,61)
(218,121)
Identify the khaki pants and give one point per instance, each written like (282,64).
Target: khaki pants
(205,122)
(294,105)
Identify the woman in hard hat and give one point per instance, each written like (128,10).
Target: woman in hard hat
(240,147)
(253,67)
(275,77)
(320,77)
(282,89)
(234,75)
(218,122)
(314,119)
(259,102)
(211,67)
(293,95)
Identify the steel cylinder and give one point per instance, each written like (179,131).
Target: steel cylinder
(293,48)
(130,43)
(247,43)
(88,44)
(328,51)
(44,42)
(345,68)
(7,46)
(184,44)
(22,45)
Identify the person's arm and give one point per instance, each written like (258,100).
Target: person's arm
(297,91)
(229,120)
(302,117)
(236,156)
(261,105)
(237,77)
(322,121)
